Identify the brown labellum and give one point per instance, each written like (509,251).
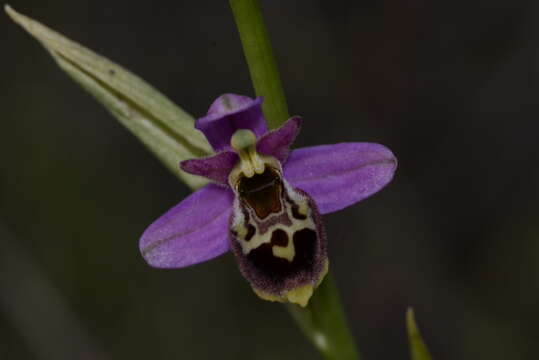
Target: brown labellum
(277,236)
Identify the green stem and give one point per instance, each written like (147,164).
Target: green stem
(324,323)
(323,320)
(259,55)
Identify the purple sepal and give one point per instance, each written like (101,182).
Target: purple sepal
(191,232)
(339,175)
(229,113)
(216,167)
(277,142)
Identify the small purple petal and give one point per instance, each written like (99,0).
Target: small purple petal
(229,113)
(277,142)
(216,167)
(339,175)
(193,231)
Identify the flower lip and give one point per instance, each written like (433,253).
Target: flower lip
(231,112)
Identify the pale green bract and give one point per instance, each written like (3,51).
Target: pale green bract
(161,125)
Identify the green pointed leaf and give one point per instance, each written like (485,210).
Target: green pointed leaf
(418,349)
(162,126)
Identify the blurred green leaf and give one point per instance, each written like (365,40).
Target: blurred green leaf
(418,349)
(163,127)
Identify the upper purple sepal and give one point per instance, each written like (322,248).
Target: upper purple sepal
(229,113)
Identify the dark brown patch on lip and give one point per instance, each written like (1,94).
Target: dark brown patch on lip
(251,230)
(303,243)
(262,192)
(279,238)
(277,268)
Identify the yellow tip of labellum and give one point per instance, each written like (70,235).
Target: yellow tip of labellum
(300,295)
(266,296)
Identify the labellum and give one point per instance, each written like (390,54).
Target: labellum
(275,230)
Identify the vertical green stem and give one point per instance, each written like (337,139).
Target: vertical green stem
(324,323)
(259,55)
(323,320)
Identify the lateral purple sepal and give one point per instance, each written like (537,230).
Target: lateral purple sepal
(339,175)
(277,142)
(216,167)
(229,113)
(191,232)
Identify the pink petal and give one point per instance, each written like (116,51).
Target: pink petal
(277,142)
(339,175)
(191,232)
(216,167)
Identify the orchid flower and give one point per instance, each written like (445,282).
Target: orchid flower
(265,201)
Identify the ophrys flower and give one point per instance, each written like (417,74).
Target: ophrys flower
(265,201)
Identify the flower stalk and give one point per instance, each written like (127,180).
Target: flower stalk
(323,320)
(259,55)
(324,324)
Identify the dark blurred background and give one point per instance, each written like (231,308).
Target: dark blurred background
(450,86)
